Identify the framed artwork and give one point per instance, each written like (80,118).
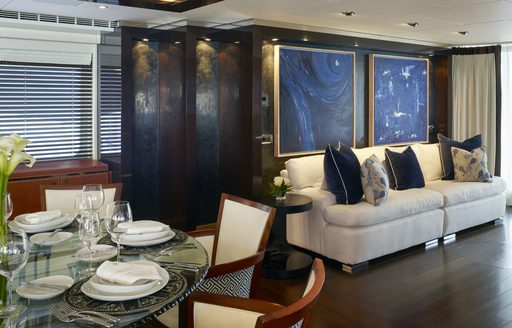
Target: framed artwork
(314,99)
(398,100)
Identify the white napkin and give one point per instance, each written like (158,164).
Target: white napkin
(128,273)
(42,217)
(145,226)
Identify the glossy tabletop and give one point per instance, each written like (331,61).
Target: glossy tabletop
(60,260)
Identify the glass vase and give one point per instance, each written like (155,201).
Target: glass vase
(281,198)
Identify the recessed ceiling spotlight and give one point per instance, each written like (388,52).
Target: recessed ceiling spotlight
(275,39)
(207,39)
(348,13)
(102,6)
(177,42)
(356,44)
(237,42)
(305,39)
(413,24)
(145,39)
(463,32)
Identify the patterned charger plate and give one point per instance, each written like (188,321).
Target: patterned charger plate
(179,239)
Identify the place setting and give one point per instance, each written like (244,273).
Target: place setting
(43,221)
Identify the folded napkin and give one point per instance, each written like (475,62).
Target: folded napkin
(42,217)
(145,226)
(128,273)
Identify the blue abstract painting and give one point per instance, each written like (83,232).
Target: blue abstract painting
(398,100)
(314,99)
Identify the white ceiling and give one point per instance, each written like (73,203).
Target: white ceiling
(486,21)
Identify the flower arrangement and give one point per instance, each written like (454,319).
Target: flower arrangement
(11,155)
(279,187)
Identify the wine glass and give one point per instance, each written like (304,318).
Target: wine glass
(97,195)
(118,219)
(88,231)
(13,257)
(83,205)
(8,208)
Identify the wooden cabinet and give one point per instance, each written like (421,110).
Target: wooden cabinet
(24,182)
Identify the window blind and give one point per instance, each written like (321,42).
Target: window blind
(110,110)
(50,105)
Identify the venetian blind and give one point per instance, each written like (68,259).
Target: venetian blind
(110,110)
(51,105)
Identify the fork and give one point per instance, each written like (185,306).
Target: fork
(61,310)
(174,249)
(72,317)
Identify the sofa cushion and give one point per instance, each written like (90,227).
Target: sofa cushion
(306,171)
(398,204)
(445,145)
(470,166)
(405,169)
(374,181)
(455,192)
(429,159)
(343,174)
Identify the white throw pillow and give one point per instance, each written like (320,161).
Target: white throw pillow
(430,160)
(306,171)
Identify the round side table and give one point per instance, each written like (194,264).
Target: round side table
(281,260)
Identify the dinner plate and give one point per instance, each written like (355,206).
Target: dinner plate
(58,238)
(43,293)
(88,289)
(99,253)
(168,236)
(103,285)
(22,222)
(144,236)
(15,226)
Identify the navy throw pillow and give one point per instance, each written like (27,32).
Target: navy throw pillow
(342,174)
(445,149)
(405,169)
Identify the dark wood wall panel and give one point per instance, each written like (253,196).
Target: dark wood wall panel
(440,66)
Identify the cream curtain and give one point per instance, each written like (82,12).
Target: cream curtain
(474,100)
(506,118)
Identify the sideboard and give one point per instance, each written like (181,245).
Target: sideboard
(24,182)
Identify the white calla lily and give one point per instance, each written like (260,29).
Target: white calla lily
(17,158)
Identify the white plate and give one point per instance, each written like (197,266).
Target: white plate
(15,226)
(144,236)
(99,253)
(100,284)
(22,222)
(59,237)
(43,293)
(92,292)
(168,236)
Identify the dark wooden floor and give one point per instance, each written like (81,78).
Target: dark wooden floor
(463,282)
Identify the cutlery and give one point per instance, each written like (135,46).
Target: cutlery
(173,249)
(66,314)
(63,316)
(40,284)
(50,236)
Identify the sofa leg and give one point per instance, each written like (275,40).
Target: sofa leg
(498,221)
(431,244)
(353,268)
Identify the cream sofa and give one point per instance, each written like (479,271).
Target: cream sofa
(354,234)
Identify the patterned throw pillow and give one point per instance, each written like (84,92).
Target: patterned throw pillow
(374,180)
(445,145)
(470,165)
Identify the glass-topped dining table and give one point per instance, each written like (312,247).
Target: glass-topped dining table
(60,259)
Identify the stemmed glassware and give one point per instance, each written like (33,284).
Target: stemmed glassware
(13,257)
(88,230)
(118,219)
(97,195)
(83,205)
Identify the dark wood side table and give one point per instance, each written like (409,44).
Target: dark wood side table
(281,260)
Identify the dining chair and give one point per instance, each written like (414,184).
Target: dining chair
(215,311)
(236,246)
(62,197)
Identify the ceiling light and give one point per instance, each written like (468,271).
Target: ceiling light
(145,39)
(348,13)
(177,42)
(463,32)
(275,39)
(413,24)
(102,6)
(356,44)
(305,39)
(237,42)
(207,39)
